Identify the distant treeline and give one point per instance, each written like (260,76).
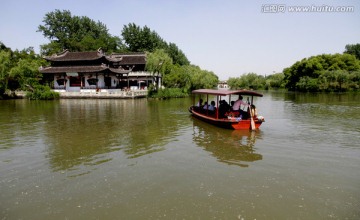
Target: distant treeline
(322,73)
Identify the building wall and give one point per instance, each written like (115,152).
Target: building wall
(135,80)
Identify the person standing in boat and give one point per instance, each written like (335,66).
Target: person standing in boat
(240,105)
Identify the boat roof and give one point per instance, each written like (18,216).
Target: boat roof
(227,92)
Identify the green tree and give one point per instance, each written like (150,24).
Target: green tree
(185,77)
(247,81)
(139,39)
(202,79)
(3,47)
(314,67)
(275,81)
(177,55)
(178,78)
(5,67)
(158,62)
(353,49)
(20,70)
(234,83)
(75,33)
(307,83)
(354,80)
(25,73)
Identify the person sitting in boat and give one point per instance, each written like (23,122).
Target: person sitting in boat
(205,105)
(211,107)
(223,108)
(253,111)
(199,104)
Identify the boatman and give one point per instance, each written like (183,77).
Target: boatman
(239,103)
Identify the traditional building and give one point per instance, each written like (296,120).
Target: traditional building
(223,85)
(78,71)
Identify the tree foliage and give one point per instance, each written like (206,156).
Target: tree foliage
(19,70)
(75,33)
(326,72)
(178,77)
(158,62)
(80,33)
(41,92)
(275,81)
(247,81)
(353,49)
(140,39)
(5,67)
(202,79)
(186,77)
(177,55)
(167,60)
(3,47)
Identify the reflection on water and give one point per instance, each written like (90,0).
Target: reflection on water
(233,147)
(82,132)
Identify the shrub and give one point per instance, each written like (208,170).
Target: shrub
(41,92)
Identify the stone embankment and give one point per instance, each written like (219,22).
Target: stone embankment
(103,94)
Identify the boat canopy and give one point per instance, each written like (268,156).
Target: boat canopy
(226,92)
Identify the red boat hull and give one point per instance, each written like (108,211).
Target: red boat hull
(225,122)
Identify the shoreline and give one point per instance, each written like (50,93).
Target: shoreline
(132,94)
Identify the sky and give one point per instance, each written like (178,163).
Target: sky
(228,37)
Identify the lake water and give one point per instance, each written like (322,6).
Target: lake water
(149,159)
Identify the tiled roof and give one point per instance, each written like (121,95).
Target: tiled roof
(130,58)
(82,69)
(75,56)
(122,58)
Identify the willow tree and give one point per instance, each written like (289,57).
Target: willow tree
(159,63)
(202,79)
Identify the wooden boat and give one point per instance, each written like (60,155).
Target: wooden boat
(223,115)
